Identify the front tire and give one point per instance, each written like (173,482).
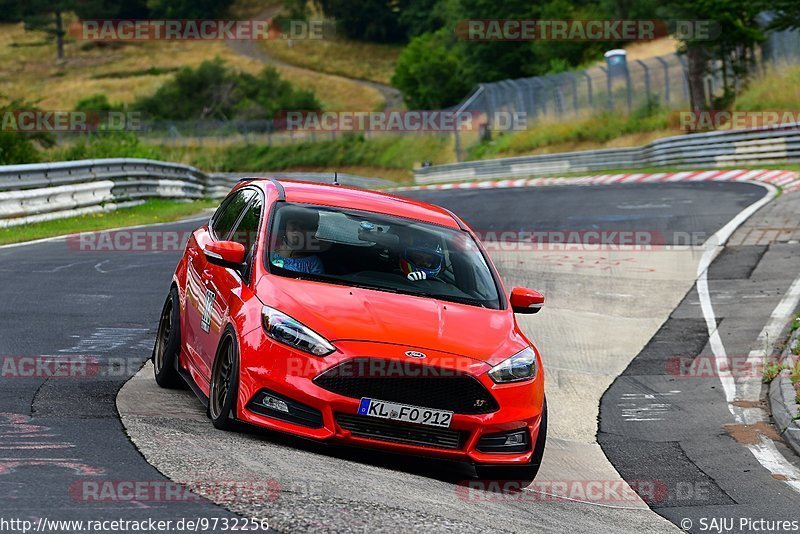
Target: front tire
(168,344)
(224,386)
(524,474)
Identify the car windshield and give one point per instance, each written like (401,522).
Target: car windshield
(382,252)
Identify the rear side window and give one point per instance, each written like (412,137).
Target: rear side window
(228,213)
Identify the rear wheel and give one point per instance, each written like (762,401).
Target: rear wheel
(224,384)
(168,344)
(524,474)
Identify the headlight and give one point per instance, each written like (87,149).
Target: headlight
(283,328)
(521,366)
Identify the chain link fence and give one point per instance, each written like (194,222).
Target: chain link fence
(620,85)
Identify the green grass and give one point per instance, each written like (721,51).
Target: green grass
(402,153)
(151,212)
(771,371)
(796,379)
(777,90)
(577,134)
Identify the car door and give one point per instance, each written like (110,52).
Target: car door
(201,297)
(225,285)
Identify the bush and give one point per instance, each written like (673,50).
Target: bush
(213,91)
(17,148)
(97,102)
(20,147)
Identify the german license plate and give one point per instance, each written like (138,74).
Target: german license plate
(404,412)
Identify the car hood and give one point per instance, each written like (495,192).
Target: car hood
(340,313)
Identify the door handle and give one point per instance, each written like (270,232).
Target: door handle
(206,275)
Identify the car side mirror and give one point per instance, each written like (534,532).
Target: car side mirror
(524,300)
(229,254)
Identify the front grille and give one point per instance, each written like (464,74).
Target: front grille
(408,383)
(399,432)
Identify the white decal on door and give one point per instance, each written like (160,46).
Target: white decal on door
(205,322)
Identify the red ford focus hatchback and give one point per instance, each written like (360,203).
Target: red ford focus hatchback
(358,317)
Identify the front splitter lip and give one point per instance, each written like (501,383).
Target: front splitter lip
(333,433)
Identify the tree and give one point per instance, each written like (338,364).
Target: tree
(787,14)
(47,16)
(428,72)
(367,20)
(188,9)
(10,11)
(734,34)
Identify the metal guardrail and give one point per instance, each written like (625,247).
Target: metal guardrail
(712,149)
(37,192)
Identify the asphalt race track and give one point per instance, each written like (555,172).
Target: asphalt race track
(603,310)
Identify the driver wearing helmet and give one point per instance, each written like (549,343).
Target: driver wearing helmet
(422,261)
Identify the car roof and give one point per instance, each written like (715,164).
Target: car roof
(359,199)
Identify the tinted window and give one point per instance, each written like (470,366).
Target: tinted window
(382,252)
(228,213)
(246,232)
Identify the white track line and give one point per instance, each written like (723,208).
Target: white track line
(765,451)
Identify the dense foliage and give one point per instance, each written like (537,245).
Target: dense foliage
(214,91)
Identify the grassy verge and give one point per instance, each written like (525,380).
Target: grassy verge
(776,90)
(151,212)
(604,130)
(365,61)
(391,157)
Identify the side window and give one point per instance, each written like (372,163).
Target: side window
(246,232)
(228,213)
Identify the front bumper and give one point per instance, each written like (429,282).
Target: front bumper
(288,375)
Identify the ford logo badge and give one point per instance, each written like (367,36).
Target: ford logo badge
(415,354)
